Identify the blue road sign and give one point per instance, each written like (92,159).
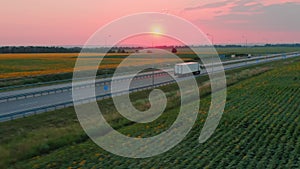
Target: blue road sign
(106,88)
(222,56)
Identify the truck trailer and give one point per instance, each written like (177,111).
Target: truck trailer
(187,68)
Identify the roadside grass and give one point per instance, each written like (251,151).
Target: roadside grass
(35,136)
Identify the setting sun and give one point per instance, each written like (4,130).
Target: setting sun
(156,30)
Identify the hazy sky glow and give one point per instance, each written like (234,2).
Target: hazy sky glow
(66,22)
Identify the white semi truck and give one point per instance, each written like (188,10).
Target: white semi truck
(187,68)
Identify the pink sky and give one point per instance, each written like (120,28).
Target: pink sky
(66,22)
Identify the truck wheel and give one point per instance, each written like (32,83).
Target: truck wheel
(196,73)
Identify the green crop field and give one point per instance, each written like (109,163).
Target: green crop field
(260,128)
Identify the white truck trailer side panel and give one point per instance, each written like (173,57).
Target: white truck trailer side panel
(185,68)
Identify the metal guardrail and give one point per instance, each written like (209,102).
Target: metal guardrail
(12,116)
(15,115)
(40,84)
(65,89)
(258,58)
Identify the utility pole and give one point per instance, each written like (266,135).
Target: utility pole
(246,44)
(212,58)
(152,53)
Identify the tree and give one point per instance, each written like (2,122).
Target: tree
(120,50)
(174,50)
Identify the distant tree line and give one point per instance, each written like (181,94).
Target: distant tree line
(266,45)
(38,49)
(42,49)
(283,45)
